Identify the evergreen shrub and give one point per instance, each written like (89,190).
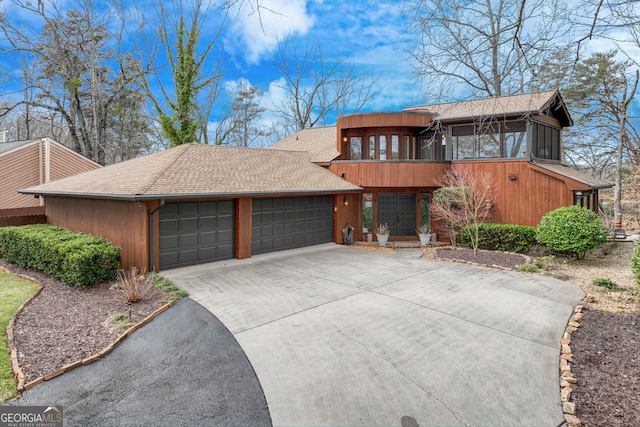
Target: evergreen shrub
(75,258)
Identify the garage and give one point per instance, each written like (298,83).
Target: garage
(196,232)
(291,222)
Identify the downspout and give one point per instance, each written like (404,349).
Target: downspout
(152,265)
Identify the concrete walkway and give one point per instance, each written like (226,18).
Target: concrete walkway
(340,336)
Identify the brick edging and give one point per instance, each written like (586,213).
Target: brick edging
(566,376)
(15,366)
(462,261)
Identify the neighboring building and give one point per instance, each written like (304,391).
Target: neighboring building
(200,203)
(197,203)
(27,163)
(398,158)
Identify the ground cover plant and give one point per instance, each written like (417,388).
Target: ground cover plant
(13,293)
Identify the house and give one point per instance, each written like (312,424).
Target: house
(398,158)
(37,161)
(198,203)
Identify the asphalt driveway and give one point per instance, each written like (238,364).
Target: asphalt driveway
(340,336)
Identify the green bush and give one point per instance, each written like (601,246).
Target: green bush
(635,262)
(573,230)
(503,237)
(75,258)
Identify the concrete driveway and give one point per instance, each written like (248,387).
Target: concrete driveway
(340,336)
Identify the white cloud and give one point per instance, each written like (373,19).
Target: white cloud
(256,32)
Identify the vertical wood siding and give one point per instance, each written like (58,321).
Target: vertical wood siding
(123,223)
(390,174)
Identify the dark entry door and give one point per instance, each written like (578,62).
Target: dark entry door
(399,212)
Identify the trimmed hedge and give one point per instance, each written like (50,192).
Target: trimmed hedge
(573,230)
(75,258)
(635,262)
(503,237)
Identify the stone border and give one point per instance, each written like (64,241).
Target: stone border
(462,261)
(17,372)
(566,377)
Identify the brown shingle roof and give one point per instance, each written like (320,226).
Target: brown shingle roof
(320,143)
(202,170)
(589,181)
(513,105)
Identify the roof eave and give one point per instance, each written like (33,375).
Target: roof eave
(226,195)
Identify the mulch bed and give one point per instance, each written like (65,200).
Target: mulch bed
(64,324)
(606,361)
(482,257)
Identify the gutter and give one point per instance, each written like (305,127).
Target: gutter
(152,265)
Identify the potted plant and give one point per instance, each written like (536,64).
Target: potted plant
(424,232)
(382,234)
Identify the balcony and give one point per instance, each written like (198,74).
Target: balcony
(390,173)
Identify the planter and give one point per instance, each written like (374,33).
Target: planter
(434,237)
(424,239)
(382,239)
(369,237)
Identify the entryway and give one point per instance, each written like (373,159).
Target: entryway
(398,211)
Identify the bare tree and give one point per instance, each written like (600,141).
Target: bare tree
(317,87)
(463,202)
(76,73)
(241,127)
(481,48)
(604,89)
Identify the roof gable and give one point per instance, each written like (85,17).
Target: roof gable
(202,170)
(547,102)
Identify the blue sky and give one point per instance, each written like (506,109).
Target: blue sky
(373,36)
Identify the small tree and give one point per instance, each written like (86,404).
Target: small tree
(463,202)
(573,230)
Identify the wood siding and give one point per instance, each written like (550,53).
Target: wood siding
(520,194)
(349,214)
(390,174)
(374,120)
(19,169)
(33,164)
(65,162)
(244,218)
(123,223)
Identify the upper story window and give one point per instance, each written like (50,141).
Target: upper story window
(355,146)
(545,141)
(489,141)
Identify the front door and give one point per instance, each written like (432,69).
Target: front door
(398,211)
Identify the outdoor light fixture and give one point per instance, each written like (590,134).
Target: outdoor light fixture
(513,177)
(345,201)
(344,139)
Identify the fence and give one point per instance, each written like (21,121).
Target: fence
(22,216)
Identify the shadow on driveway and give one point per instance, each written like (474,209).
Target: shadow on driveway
(183,368)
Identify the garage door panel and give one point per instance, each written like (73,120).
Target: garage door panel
(196,232)
(285,223)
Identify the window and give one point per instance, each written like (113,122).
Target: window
(395,147)
(383,147)
(426,148)
(372,147)
(356,147)
(545,141)
(367,212)
(496,140)
(408,152)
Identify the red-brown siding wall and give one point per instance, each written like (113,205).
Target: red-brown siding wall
(390,174)
(123,223)
(525,199)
